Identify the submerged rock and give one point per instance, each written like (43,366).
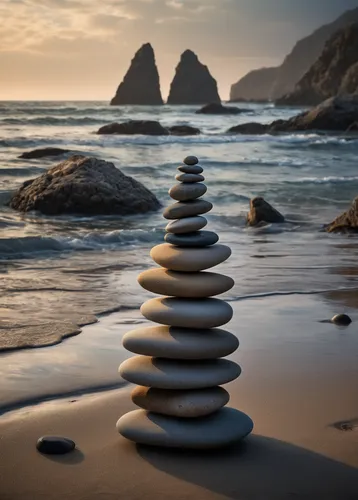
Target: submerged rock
(261,211)
(141,82)
(251,128)
(55,445)
(219,109)
(84,185)
(183,130)
(132,127)
(43,152)
(346,222)
(192,83)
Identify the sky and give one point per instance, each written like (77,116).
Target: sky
(81,49)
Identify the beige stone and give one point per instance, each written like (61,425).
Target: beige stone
(186,225)
(221,428)
(178,374)
(180,343)
(189,259)
(187,313)
(194,285)
(184,403)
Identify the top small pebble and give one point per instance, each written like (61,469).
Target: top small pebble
(191,160)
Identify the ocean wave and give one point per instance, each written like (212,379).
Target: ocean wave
(51,120)
(323,180)
(31,246)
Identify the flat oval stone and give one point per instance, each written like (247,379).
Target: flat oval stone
(187,313)
(187,209)
(189,178)
(186,225)
(183,404)
(221,428)
(190,285)
(186,192)
(177,374)
(191,169)
(55,445)
(191,160)
(180,343)
(194,239)
(189,259)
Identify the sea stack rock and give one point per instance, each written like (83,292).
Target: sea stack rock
(179,366)
(141,83)
(193,83)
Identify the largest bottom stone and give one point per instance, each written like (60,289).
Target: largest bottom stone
(221,428)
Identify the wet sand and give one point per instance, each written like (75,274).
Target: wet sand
(299,384)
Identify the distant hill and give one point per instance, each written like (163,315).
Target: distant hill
(334,72)
(294,66)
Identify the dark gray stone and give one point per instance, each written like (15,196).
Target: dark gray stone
(341,319)
(261,211)
(43,153)
(55,445)
(191,169)
(189,178)
(186,192)
(187,209)
(191,160)
(195,239)
(134,127)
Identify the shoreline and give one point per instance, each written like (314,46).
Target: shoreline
(88,363)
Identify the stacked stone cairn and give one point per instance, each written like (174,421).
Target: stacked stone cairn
(179,368)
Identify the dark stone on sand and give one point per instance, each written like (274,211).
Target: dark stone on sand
(133,127)
(192,83)
(141,83)
(195,239)
(55,445)
(261,211)
(346,222)
(216,108)
(42,153)
(341,319)
(183,130)
(84,185)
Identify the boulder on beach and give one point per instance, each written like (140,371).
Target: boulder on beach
(337,114)
(346,222)
(43,153)
(84,185)
(132,127)
(141,83)
(261,211)
(216,108)
(192,83)
(183,130)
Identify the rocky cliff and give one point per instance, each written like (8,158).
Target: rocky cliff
(255,86)
(192,83)
(294,66)
(141,82)
(334,72)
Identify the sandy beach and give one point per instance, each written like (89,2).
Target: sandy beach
(298,384)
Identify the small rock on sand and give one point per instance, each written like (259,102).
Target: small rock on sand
(55,445)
